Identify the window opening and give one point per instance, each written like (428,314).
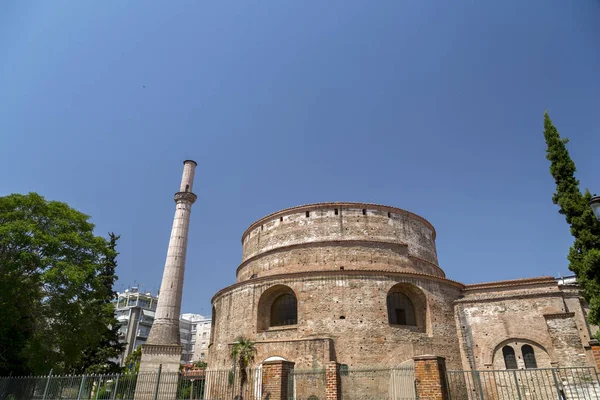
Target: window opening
(400,309)
(529,356)
(284,310)
(510,361)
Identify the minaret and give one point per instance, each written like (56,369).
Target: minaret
(163,345)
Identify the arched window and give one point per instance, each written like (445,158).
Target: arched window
(528,356)
(284,310)
(509,357)
(277,306)
(400,309)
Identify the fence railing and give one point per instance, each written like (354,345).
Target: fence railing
(306,384)
(214,385)
(397,383)
(578,383)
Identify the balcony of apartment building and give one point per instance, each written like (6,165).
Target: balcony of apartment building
(143,332)
(122,332)
(147,317)
(185,337)
(132,298)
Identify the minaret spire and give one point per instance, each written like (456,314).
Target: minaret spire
(165,330)
(163,345)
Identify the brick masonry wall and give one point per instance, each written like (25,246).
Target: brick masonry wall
(275,376)
(430,378)
(332,381)
(577,305)
(595,348)
(350,224)
(327,256)
(347,311)
(566,340)
(493,317)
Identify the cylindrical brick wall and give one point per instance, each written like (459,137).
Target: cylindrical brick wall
(341,312)
(331,236)
(340,261)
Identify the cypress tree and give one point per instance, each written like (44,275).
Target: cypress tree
(584,254)
(101,356)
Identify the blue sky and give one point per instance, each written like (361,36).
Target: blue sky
(432,106)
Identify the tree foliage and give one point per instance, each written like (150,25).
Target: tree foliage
(132,362)
(57,278)
(584,254)
(102,358)
(242,354)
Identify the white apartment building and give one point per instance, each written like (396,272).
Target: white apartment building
(201,339)
(135,313)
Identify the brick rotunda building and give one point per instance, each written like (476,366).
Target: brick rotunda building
(360,284)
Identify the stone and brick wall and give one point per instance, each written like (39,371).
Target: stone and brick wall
(302,238)
(345,308)
(566,341)
(335,255)
(515,313)
(491,315)
(340,260)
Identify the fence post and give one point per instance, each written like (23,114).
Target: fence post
(558,392)
(517,384)
(478,378)
(116,387)
(157,382)
(98,387)
(430,378)
(81,387)
(47,384)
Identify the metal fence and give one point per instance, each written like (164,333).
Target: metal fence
(378,383)
(232,385)
(535,384)
(214,385)
(306,384)
(76,387)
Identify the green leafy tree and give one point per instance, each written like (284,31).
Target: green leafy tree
(242,354)
(132,362)
(52,286)
(200,364)
(584,254)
